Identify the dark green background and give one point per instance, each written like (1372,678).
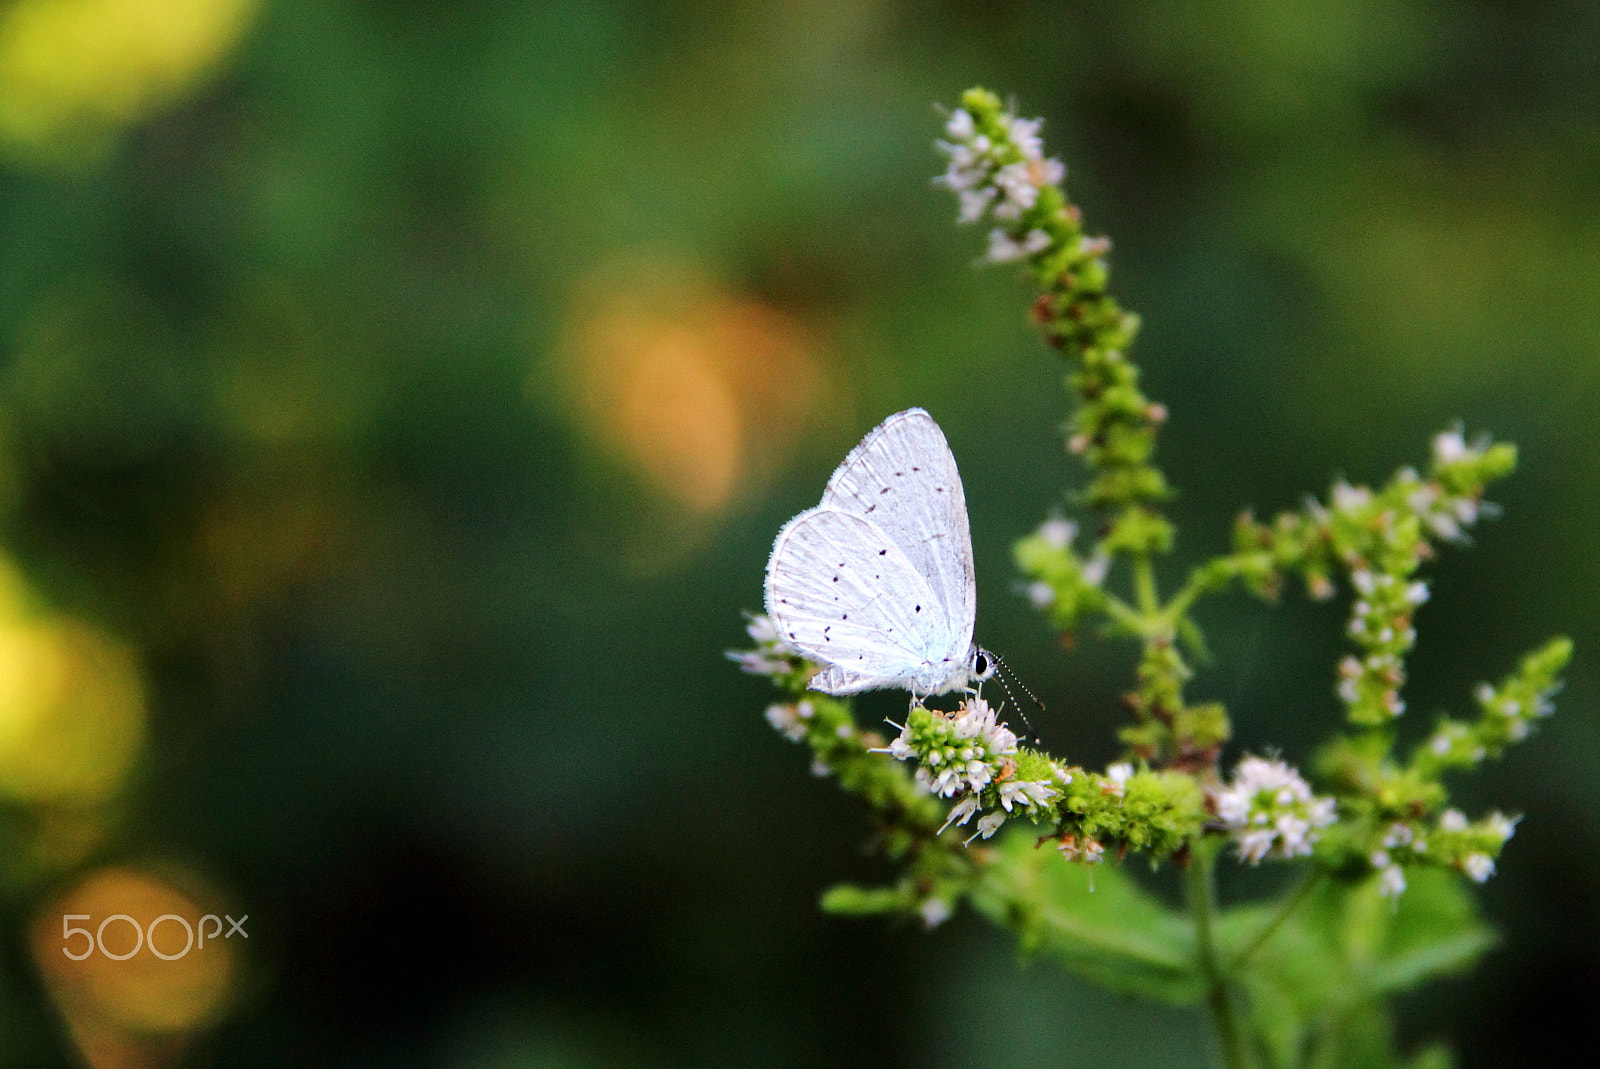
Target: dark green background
(489,790)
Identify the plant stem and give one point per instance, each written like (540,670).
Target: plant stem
(1290,904)
(1144,583)
(1202,900)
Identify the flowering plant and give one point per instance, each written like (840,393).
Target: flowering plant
(1379,906)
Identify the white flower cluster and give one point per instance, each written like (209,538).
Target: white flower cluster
(999,177)
(771,657)
(1380,620)
(1271,811)
(1400,838)
(1446,514)
(963,754)
(1493,831)
(1469,847)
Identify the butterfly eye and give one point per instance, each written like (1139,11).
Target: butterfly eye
(982,665)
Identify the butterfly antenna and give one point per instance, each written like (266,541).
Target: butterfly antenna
(1006,668)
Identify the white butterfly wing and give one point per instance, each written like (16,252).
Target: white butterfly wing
(903,479)
(844,594)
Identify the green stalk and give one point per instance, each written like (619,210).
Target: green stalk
(1144,582)
(1203,902)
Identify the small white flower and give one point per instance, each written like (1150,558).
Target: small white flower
(935,911)
(1117,776)
(762,630)
(961,812)
(1024,133)
(1347,498)
(990,823)
(770,657)
(1349,690)
(1016,187)
(1398,835)
(1029,793)
(1500,825)
(1452,820)
(1004,249)
(1449,447)
(1417,593)
(1322,811)
(1391,882)
(1478,867)
(1095,568)
(1294,835)
(1445,526)
(960,125)
(1043,595)
(1255,845)
(1058,533)
(787,720)
(973,203)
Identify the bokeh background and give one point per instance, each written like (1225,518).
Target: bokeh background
(397,401)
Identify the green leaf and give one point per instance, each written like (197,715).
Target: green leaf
(1347,948)
(851,901)
(1435,931)
(1094,919)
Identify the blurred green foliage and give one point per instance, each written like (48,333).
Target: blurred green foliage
(291,370)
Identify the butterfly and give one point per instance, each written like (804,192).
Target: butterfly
(876,582)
